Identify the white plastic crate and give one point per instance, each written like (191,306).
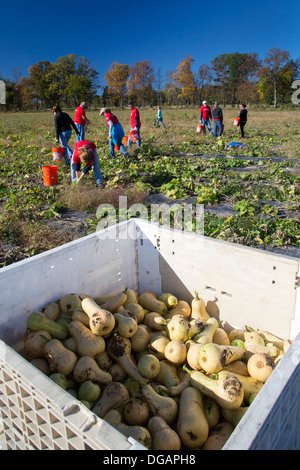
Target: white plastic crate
(240,285)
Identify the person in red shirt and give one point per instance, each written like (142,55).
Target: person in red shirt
(116,132)
(135,123)
(81,120)
(85,153)
(205,116)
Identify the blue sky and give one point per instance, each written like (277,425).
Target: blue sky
(163,32)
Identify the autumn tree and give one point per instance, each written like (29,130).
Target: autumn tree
(116,79)
(277,68)
(185,80)
(39,82)
(203,80)
(140,81)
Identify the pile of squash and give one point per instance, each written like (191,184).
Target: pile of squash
(156,368)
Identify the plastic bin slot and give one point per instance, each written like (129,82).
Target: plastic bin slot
(226,294)
(212,289)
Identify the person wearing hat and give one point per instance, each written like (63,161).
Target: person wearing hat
(81,120)
(205,116)
(217,116)
(116,132)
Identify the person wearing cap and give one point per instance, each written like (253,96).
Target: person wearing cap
(205,116)
(116,132)
(85,153)
(217,116)
(81,120)
(135,123)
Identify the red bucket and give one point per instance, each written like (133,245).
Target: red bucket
(200,128)
(116,148)
(57,153)
(50,175)
(133,136)
(236,121)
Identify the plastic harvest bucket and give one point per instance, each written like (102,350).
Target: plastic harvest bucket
(116,148)
(236,121)
(133,136)
(199,128)
(125,140)
(50,175)
(57,153)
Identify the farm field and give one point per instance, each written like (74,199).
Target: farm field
(251,195)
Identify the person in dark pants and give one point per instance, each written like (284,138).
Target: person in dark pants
(63,127)
(243,118)
(217,116)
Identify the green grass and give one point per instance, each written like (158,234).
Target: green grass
(252,180)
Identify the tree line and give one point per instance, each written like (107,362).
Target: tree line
(228,78)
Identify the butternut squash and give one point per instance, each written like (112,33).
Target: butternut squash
(70,343)
(139,433)
(260,366)
(213,357)
(69,303)
(192,357)
(207,334)
(212,412)
(89,391)
(176,390)
(238,367)
(218,436)
(136,412)
(102,322)
(176,352)
(168,374)
(268,337)
(234,416)
(39,321)
(52,310)
(60,359)
(168,299)
(117,372)
(131,297)
(81,316)
(165,407)
(221,337)
(103,360)
(196,327)
(158,345)
(236,333)
(34,343)
(163,436)
(59,379)
(269,349)
(101,299)
(113,304)
(127,326)
(155,321)
(141,339)
(227,391)
(182,308)
(88,369)
(88,344)
(119,348)
(199,309)
(249,384)
(148,366)
(178,328)
(138,311)
(192,426)
(113,395)
(148,301)
(253,337)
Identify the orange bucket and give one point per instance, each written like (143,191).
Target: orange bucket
(133,136)
(57,153)
(125,140)
(236,121)
(50,175)
(116,148)
(199,128)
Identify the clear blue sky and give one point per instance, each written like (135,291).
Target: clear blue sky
(163,32)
